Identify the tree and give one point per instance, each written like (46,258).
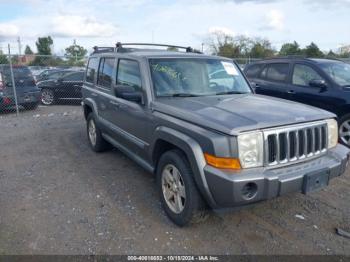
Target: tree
(312,50)
(75,52)
(28,51)
(290,49)
(172,48)
(43,45)
(222,44)
(3,58)
(262,48)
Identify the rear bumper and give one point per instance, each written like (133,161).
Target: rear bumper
(22,99)
(230,189)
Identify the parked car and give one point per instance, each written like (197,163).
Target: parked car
(210,143)
(28,95)
(66,87)
(322,83)
(52,74)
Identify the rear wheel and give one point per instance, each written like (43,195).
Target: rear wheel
(47,97)
(96,141)
(180,197)
(344,130)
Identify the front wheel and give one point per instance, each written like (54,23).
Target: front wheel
(179,195)
(47,97)
(344,130)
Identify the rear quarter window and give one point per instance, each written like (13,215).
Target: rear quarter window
(91,69)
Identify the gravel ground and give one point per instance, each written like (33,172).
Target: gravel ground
(58,197)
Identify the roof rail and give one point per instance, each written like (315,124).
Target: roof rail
(102,49)
(188,49)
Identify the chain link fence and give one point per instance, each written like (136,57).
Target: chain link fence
(30,81)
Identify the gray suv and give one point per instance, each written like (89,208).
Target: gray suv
(195,122)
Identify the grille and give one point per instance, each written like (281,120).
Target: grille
(295,143)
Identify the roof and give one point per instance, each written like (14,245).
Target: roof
(296,58)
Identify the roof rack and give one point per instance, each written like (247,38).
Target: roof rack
(119,47)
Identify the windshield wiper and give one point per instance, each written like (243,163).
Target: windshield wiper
(182,95)
(229,93)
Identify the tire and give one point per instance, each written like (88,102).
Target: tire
(192,209)
(344,130)
(96,141)
(47,97)
(31,106)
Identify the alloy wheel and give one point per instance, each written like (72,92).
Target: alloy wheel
(173,188)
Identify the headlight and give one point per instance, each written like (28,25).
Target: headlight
(250,148)
(332,125)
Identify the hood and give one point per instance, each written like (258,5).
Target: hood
(234,114)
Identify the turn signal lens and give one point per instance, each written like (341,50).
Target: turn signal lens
(224,163)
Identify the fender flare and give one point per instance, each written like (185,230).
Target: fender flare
(194,154)
(91,103)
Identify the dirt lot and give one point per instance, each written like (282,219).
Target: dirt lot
(58,197)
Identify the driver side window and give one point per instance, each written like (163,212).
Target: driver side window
(303,74)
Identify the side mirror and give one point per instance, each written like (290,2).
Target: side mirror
(318,83)
(128,93)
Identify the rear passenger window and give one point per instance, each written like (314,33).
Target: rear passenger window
(129,74)
(277,72)
(91,69)
(253,70)
(105,72)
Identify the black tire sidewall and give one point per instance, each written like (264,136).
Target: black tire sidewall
(193,199)
(340,122)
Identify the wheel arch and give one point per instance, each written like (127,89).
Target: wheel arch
(166,139)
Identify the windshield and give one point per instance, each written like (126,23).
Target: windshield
(339,72)
(196,77)
(18,72)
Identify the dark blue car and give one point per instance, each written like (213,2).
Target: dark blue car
(28,94)
(322,83)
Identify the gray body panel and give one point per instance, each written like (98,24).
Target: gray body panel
(199,125)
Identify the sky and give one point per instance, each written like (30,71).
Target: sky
(187,23)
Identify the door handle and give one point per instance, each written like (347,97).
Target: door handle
(291,92)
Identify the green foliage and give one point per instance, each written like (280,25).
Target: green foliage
(28,50)
(290,49)
(261,48)
(171,48)
(240,46)
(3,58)
(76,51)
(312,50)
(43,45)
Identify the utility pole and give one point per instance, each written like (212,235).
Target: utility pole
(19,50)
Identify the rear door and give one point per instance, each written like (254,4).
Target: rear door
(273,80)
(130,119)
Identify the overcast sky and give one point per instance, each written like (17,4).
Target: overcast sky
(104,22)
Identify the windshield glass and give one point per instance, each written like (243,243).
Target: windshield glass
(18,72)
(339,72)
(196,77)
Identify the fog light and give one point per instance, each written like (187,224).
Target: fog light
(249,191)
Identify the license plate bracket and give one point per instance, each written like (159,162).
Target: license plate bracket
(315,181)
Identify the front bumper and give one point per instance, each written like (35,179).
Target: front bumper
(230,188)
